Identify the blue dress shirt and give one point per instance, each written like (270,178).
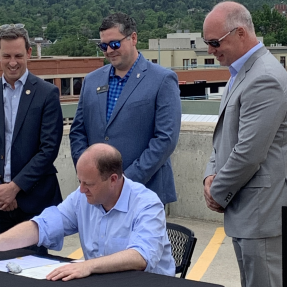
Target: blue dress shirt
(11,99)
(137,221)
(236,66)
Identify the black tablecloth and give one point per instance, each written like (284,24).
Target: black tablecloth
(119,279)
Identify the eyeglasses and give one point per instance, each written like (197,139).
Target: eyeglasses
(9,26)
(215,43)
(113,44)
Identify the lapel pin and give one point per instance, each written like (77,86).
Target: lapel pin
(28,92)
(138,75)
(98,88)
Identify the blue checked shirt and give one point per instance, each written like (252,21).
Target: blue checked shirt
(116,85)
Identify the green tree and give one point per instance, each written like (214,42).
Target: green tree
(73,46)
(270,24)
(53,31)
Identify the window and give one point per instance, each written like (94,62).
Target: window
(282,61)
(65,87)
(193,63)
(77,85)
(49,80)
(185,64)
(154,61)
(208,61)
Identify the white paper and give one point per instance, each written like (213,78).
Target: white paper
(26,262)
(41,272)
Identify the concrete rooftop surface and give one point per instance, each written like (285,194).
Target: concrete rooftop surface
(213,259)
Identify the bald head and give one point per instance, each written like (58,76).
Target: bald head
(232,15)
(229,25)
(104,157)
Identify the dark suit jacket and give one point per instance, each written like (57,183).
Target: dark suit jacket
(35,144)
(144,125)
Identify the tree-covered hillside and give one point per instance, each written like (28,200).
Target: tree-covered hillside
(72,21)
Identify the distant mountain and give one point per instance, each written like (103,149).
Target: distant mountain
(58,19)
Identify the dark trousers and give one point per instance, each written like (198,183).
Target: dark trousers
(8,219)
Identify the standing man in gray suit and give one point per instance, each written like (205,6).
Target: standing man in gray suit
(133,105)
(246,175)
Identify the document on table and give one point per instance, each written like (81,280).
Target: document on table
(40,272)
(26,262)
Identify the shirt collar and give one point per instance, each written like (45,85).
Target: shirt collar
(112,71)
(235,67)
(22,79)
(123,201)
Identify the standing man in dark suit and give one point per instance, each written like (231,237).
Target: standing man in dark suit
(246,175)
(31,127)
(133,105)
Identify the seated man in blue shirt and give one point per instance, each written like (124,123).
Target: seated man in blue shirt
(121,223)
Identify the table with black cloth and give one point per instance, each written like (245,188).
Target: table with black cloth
(118,279)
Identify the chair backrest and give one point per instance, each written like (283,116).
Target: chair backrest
(182,245)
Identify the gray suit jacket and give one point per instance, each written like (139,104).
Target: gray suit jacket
(250,149)
(144,125)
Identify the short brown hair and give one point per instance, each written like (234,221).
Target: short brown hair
(109,163)
(14,33)
(106,158)
(125,23)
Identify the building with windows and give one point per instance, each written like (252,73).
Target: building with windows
(281,8)
(67,73)
(188,52)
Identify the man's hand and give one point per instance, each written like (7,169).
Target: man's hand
(8,192)
(124,260)
(210,202)
(70,271)
(13,205)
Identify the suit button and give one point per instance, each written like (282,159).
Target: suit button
(2,156)
(107,138)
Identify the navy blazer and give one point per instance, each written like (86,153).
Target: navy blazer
(35,144)
(144,125)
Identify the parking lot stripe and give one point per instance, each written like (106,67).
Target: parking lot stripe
(207,255)
(78,254)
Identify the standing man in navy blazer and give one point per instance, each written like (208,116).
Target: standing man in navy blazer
(31,127)
(246,175)
(133,105)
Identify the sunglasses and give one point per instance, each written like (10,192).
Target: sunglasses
(113,44)
(215,43)
(9,26)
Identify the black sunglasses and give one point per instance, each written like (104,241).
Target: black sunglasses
(215,43)
(9,26)
(113,44)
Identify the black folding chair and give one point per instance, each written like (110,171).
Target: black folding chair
(182,245)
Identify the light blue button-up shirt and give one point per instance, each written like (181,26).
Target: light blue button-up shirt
(11,99)
(236,66)
(137,221)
